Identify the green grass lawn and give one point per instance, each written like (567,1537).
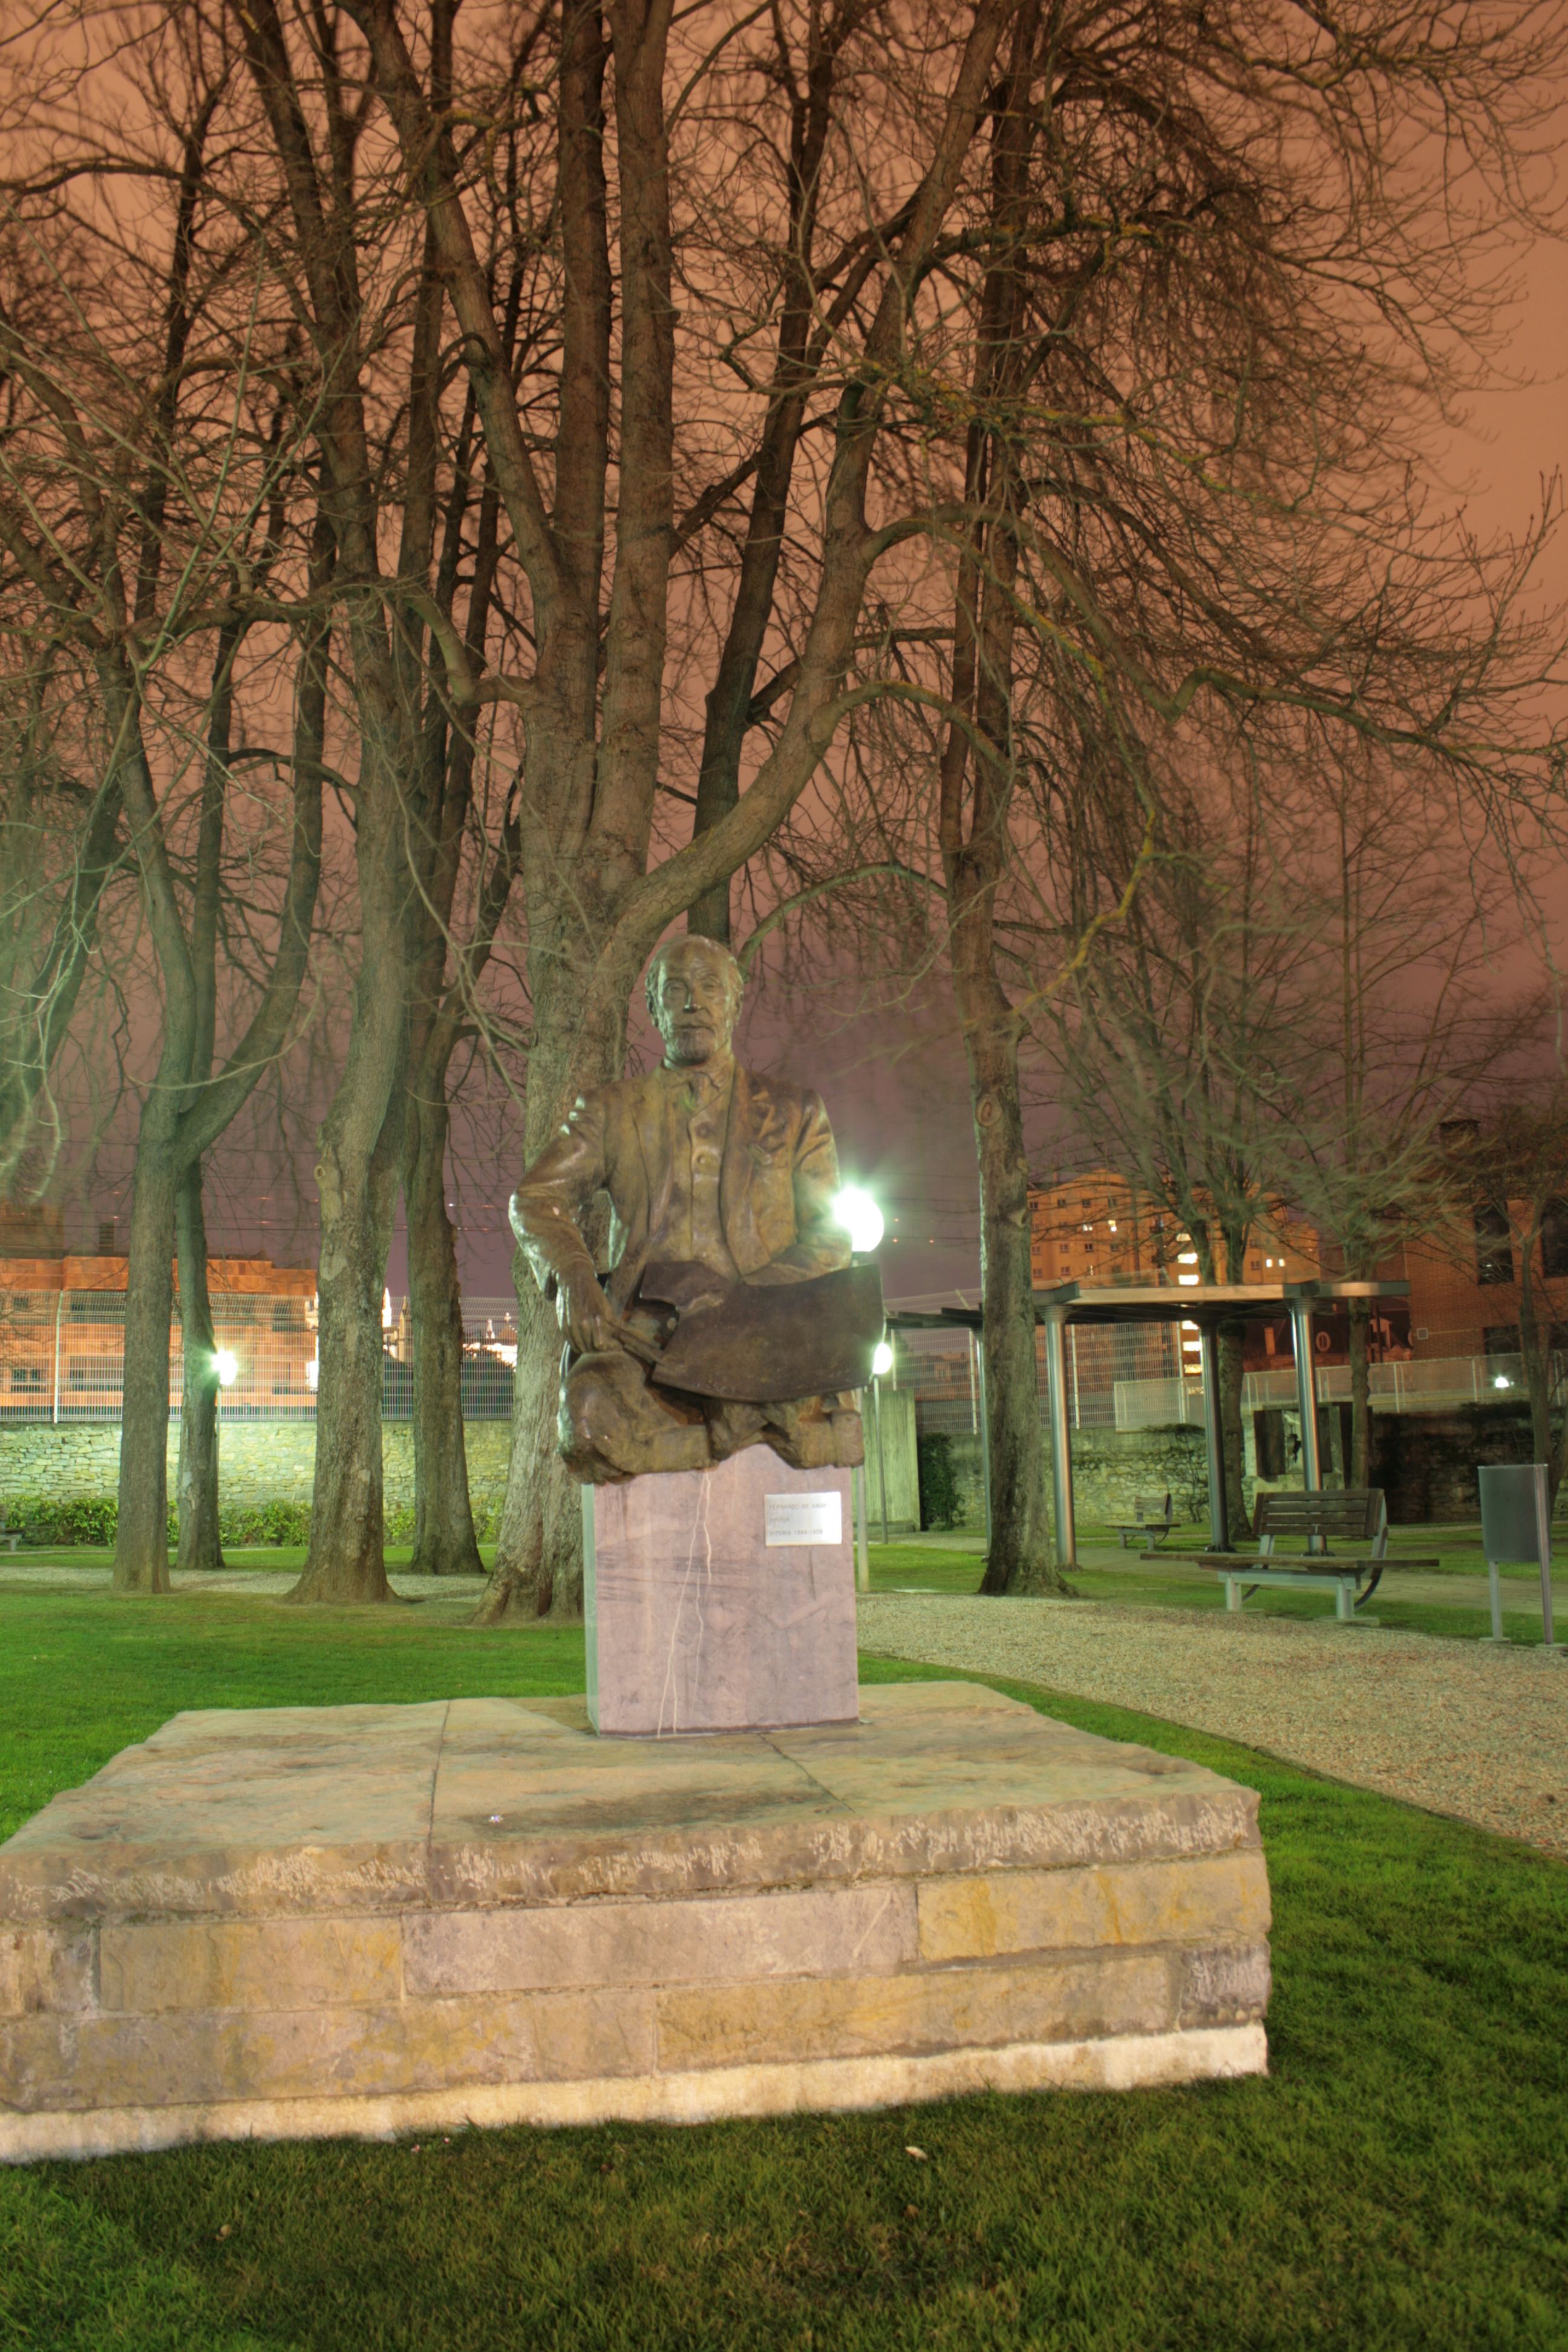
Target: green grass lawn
(1397,2181)
(922,1568)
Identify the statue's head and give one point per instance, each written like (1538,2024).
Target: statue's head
(694,987)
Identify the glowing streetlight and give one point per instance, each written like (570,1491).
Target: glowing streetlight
(226,1367)
(1503,1382)
(882,1360)
(860,1218)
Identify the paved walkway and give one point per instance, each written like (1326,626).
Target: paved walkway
(1457,1727)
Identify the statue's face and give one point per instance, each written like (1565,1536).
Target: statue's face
(694,1003)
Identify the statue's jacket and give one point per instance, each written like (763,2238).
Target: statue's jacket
(778,1177)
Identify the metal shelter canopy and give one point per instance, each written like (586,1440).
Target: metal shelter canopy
(1206,1305)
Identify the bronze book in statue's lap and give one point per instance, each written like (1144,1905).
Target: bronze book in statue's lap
(790,1340)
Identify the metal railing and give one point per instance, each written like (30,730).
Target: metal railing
(62,1359)
(1426,1384)
(62,1356)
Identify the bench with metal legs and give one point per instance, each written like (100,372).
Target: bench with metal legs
(1151,1518)
(1359,1516)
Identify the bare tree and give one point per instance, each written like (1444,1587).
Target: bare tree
(1400,1014)
(125,521)
(1509,1196)
(1212,331)
(843,274)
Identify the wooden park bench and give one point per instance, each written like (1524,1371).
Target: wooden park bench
(1358,1518)
(1151,1518)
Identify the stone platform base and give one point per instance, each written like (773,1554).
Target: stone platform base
(301,1922)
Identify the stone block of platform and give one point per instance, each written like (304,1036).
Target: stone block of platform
(293,1923)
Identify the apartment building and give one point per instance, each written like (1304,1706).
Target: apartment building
(1465,1281)
(1098,1228)
(63,1325)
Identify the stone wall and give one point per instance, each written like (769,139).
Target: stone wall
(1111,1467)
(259,1461)
(1425,1464)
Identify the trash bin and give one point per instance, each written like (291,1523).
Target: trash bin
(1516,1525)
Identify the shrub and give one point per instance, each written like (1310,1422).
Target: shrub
(941,1504)
(265,1523)
(487,1509)
(52,1520)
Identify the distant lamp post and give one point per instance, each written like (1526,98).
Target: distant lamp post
(226,1367)
(860,1218)
(1503,1382)
(856,1214)
(881,1363)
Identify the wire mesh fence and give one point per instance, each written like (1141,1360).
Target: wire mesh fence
(62,1356)
(1111,1382)
(942,1369)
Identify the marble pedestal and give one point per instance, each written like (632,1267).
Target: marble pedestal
(720,1600)
(302,1922)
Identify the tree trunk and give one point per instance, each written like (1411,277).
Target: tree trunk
(141,1533)
(1020,1558)
(537,1568)
(346,1560)
(196,1484)
(1228,1348)
(1359,1476)
(356,1177)
(360,1148)
(444,1541)
(1536,1350)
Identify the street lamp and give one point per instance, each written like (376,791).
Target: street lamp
(226,1367)
(881,1364)
(860,1218)
(856,1214)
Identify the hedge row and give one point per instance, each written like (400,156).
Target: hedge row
(45,1520)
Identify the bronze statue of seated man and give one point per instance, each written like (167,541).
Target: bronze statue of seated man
(722,1187)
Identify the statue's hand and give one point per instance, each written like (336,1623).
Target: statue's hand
(585,1312)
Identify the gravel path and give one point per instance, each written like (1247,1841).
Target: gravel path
(1456,1727)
